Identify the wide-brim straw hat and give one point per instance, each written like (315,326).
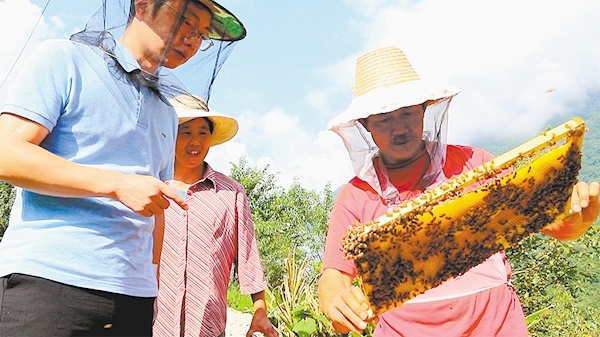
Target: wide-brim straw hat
(224,25)
(189,107)
(386,81)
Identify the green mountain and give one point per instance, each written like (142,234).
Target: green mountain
(590,113)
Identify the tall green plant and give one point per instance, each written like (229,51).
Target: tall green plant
(294,306)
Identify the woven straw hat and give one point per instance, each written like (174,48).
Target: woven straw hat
(189,107)
(386,81)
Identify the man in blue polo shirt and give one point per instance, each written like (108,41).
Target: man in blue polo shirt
(87,136)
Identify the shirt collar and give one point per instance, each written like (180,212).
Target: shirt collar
(125,58)
(210,177)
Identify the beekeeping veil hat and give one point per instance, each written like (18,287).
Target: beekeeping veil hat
(188,108)
(197,75)
(384,82)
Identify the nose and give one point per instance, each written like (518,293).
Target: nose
(398,124)
(188,47)
(196,140)
(192,42)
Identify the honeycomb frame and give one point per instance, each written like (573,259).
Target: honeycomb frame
(449,229)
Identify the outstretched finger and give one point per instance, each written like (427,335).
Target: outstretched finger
(173,195)
(162,202)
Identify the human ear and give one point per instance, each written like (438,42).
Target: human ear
(142,7)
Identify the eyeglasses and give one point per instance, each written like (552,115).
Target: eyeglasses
(190,30)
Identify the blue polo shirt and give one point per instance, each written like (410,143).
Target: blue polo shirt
(97,118)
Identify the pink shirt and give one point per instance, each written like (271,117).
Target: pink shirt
(478,303)
(199,248)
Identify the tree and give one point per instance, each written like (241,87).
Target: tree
(292,220)
(563,277)
(7,197)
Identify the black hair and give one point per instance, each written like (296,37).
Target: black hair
(211,125)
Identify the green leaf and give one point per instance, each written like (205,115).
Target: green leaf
(535,317)
(305,327)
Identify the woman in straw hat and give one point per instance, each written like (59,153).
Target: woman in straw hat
(201,244)
(87,135)
(395,133)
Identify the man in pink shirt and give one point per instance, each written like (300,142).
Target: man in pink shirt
(394,131)
(200,245)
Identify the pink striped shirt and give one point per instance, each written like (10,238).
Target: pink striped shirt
(199,248)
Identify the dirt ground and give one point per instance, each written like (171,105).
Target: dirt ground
(237,323)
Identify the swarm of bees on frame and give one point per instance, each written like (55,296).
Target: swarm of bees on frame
(459,224)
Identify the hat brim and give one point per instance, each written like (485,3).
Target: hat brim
(391,98)
(224,25)
(189,107)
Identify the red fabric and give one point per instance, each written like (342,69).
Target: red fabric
(199,249)
(478,303)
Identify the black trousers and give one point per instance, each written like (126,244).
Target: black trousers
(32,306)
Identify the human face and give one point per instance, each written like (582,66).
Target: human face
(398,134)
(193,143)
(181,26)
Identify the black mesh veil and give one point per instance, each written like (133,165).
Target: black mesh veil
(196,76)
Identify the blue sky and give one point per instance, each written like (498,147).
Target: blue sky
(518,63)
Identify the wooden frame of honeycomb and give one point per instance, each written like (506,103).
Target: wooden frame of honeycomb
(457,225)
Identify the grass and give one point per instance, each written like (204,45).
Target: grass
(237,300)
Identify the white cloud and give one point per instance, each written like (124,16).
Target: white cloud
(319,99)
(518,63)
(339,81)
(279,140)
